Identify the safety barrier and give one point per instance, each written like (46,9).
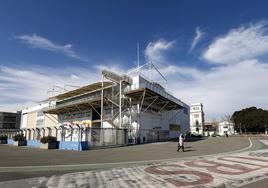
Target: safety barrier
(72,145)
(33,143)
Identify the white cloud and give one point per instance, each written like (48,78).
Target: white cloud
(238,79)
(245,42)
(222,90)
(155,51)
(198,36)
(25,86)
(22,87)
(36,41)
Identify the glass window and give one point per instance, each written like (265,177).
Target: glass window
(40,113)
(196,108)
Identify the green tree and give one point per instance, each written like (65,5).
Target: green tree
(250,120)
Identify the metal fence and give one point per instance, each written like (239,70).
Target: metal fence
(104,137)
(137,136)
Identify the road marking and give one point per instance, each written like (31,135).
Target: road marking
(265,142)
(225,170)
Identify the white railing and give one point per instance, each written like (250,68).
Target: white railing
(156,89)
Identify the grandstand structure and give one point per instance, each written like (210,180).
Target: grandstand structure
(142,110)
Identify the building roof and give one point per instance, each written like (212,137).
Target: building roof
(197,104)
(6,112)
(149,94)
(81,90)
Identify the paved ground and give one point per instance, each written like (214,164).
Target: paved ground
(37,157)
(164,173)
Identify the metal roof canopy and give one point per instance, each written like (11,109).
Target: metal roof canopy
(82,90)
(74,107)
(162,102)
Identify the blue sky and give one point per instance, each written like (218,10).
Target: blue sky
(211,51)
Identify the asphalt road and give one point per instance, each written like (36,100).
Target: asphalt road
(25,156)
(23,162)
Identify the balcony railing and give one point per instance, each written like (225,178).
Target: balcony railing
(156,89)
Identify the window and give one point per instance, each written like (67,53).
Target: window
(196,108)
(40,114)
(185,111)
(196,115)
(39,122)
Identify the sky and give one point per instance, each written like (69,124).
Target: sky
(214,52)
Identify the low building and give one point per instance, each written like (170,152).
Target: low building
(210,128)
(197,119)
(35,123)
(10,120)
(9,123)
(226,127)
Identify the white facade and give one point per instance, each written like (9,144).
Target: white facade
(226,127)
(171,122)
(197,119)
(39,118)
(151,120)
(141,106)
(26,111)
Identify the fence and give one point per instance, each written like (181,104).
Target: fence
(136,136)
(98,137)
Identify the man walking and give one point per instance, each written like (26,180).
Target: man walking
(181,143)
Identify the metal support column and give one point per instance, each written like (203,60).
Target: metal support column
(130,113)
(120,105)
(102,95)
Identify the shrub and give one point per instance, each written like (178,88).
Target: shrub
(3,137)
(19,137)
(48,139)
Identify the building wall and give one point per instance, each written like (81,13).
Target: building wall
(226,127)
(31,120)
(162,121)
(50,120)
(34,117)
(24,120)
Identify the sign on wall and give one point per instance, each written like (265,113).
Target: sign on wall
(174,127)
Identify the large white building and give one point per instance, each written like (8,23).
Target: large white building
(197,120)
(132,105)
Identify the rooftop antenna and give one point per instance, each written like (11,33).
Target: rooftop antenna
(138,54)
(150,69)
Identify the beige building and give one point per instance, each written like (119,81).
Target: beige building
(34,121)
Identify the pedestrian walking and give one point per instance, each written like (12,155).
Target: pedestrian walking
(181,143)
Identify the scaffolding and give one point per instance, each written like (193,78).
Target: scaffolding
(118,101)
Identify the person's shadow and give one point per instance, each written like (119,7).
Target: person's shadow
(188,149)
